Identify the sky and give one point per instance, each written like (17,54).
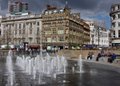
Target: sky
(89,9)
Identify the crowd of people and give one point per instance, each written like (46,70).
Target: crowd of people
(102,54)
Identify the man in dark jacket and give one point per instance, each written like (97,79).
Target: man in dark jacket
(98,56)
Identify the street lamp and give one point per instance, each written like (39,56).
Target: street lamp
(98,30)
(7,37)
(41,39)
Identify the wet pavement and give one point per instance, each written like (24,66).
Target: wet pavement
(94,74)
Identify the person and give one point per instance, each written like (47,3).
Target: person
(89,55)
(98,56)
(112,58)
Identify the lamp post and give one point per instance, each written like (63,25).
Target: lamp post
(7,39)
(98,30)
(41,39)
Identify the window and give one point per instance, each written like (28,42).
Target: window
(113,17)
(23,25)
(30,39)
(119,33)
(19,26)
(118,7)
(37,30)
(61,38)
(19,32)
(61,11)
(54,30)
(15,32)
(48,32)
(49,40)
(30,25)
(113,24)
(118,24)
(55,11)
(15,26)
(113,33)
(91,24)
(54,39)
(46,12)
(60,31)
(118,15)
(50,12)
(38,23)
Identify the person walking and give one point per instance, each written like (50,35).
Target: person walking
(98,56)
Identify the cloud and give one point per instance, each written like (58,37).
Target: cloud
(87,8)
(87,5)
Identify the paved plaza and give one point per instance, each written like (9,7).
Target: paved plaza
(94,74)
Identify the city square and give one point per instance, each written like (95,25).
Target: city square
(59,46)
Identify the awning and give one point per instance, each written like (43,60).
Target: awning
(33,46)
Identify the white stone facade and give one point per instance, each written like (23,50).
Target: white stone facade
(115,24)
(99,36)
(17,30)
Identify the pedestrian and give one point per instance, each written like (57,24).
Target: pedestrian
(112,58)
(98,56)
(89,55)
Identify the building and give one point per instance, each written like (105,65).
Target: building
(99,36)
(54,28)
(115,24)
(17,30)
(63,29)
(17,8)
(0,29)
(19,26)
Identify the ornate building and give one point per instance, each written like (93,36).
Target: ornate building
(54,28)
(17,7)
(63,29)
(115,24)
(99,36)
(17,30)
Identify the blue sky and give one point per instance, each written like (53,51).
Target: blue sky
(95,9)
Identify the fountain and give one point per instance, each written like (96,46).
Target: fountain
(51,70)
(43,66)
(10,72)
(80,63)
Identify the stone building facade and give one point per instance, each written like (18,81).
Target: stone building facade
(63,29)
(54,28)
(115,24)
(99,36)
(19,29)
